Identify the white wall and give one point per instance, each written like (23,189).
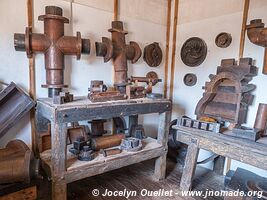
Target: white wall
(146,22)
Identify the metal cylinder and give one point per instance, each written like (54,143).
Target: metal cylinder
(105,142)
(261,117)
(109,152)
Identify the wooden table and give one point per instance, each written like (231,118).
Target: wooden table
(65,168)
(242,150)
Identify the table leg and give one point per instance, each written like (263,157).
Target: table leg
(59,190)
(219,165)
(160,167)
(190,166)
(58,160)
(163,131)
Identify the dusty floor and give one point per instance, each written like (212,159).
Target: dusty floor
(138,178)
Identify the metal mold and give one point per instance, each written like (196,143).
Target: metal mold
(223,40)
(131,144)
(190,79)
(86,154)
(194,52)
(14,104)
(153,54)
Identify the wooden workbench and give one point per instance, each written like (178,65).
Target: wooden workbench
(65,168)
(239,149)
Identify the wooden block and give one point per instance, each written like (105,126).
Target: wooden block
(27,193)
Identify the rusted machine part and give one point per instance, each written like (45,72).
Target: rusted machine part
(86,154)
(153,54)
(110,152)
(98,92)
(78,145)
(261,118)
(135,92)
(63,97)
(97,86)
(104,49)
(14,104)
(105,142)
(257,34)
(151,77)
(97,127)
(76,132)
(194,52)
(137,131)
(223,40)
(17,163)
(54,45)
(131,144)
(120,52)
(190,79)
(106,96)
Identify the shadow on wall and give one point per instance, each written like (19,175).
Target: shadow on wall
(177,110)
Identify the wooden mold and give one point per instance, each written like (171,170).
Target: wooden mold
(228,94)
(14,104)
(17,163)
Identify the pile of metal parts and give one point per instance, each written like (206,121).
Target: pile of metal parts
(87,144)
(213,127)
(120,52)
(17,163)
(55,45)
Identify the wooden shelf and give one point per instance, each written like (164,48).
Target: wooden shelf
(101,164)
(64,168)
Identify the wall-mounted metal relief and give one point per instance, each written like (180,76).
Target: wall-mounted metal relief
(223,40)
(153,54)
(194,52)
(190,79)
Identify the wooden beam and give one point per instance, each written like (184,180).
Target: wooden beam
(116,8)
(175,21)
(32,84)
(243,30)
(166,67)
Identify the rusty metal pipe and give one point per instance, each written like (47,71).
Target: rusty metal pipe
(109,152)
(257,34)
(54,45)
(119,58)
(261,117)
(105,142)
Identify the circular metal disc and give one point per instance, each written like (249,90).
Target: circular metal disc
(223,40)
(190,79)
(153,54)
(193,52)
